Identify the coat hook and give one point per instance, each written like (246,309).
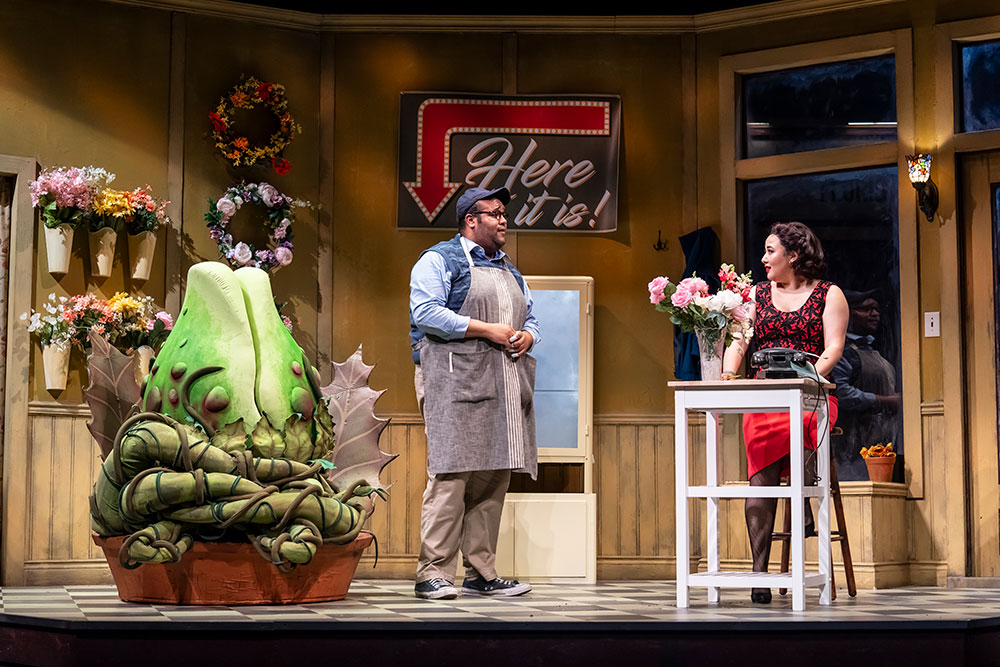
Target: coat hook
(660,244)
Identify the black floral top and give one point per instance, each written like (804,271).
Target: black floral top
(801,329)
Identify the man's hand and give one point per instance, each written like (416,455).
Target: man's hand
(521,343)
(500,334)
(890,402)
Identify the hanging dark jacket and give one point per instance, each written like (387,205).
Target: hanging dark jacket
(701,257)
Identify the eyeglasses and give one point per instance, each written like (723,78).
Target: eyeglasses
(497,214)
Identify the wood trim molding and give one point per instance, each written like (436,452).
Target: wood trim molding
(654,419)
(174,236)
(970,142)
(829,159)
(56,409)
(873,489)
(327,189)
(949,241)
(652,24)
(932,408)
(18,377)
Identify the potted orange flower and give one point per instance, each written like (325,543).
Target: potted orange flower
(880,460)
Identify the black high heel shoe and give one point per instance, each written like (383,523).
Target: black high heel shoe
(760,595)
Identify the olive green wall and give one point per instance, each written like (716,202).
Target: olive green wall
(105,100)
(70,99)
(372,259)
(217,54)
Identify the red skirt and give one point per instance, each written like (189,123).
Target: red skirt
(767,435)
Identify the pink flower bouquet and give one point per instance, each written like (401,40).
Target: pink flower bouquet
(65,195)
(692,308)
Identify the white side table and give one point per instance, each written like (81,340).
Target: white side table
(793,396)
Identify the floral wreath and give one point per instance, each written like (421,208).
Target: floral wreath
(249,92)
(280,215)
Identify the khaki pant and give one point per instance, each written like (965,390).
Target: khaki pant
(460,511)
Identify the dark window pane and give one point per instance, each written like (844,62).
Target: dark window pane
(996,280)
(854,214)
(980,95)
(820,106)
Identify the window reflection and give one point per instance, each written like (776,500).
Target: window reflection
(854,213)
(820,106)
(979,94)
(557,375)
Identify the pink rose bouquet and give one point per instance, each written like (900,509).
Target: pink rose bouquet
(693,308)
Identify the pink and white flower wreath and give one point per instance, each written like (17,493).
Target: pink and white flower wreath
(280,215)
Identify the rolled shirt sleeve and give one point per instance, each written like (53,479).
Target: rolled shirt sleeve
(530,322)
(851,398)
(430,286)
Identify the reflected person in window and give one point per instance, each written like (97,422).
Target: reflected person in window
(866,388)
(794,308)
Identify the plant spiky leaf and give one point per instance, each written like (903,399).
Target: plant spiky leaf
(356,454)
(113,393)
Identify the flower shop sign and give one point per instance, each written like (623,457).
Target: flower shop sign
(557,154)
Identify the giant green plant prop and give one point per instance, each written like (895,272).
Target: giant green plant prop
(232,436)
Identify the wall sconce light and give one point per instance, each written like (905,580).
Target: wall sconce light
(920,177)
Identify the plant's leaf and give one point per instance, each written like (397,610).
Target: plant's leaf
(267,440)
(326,464)
(113,393)
(357,429)
(323,425)
(232,437)
(298,438)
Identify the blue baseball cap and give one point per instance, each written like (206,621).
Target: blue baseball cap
(472,195)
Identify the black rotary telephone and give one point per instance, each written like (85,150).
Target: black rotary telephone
(783,362)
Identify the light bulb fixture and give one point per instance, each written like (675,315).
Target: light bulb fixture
(920,177)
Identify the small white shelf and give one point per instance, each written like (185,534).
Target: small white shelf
(743,491)
(752,579)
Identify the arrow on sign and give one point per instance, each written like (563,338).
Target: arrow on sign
(439,118)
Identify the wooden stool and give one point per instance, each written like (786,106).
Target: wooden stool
(838,535)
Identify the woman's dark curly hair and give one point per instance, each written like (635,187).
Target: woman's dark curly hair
(798,238)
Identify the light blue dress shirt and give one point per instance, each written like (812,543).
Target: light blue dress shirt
(430,286)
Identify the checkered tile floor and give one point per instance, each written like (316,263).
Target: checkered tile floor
(386,601)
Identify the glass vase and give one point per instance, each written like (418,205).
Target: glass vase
(710,350)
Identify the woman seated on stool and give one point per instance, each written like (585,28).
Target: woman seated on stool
(793,308)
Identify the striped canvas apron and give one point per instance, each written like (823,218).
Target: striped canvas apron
(478,400)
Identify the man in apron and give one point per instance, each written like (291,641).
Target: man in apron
(471,328)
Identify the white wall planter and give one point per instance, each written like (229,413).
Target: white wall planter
(102,251)
(143,356)
(140,253)
(58,247)
(55,363)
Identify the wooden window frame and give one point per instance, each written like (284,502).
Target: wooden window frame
(15,436)
(735,171)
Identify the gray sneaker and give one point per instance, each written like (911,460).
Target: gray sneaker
(435,589)
(500,587)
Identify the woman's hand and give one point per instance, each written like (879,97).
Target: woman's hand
(726,375)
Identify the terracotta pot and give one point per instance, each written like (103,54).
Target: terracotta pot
(58,247)
(233,573)
(880,468)
(140,254)
(55,363)
(102,251)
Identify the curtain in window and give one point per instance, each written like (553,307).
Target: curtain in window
(6,197)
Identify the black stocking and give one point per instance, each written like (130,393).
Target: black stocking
(760,512)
